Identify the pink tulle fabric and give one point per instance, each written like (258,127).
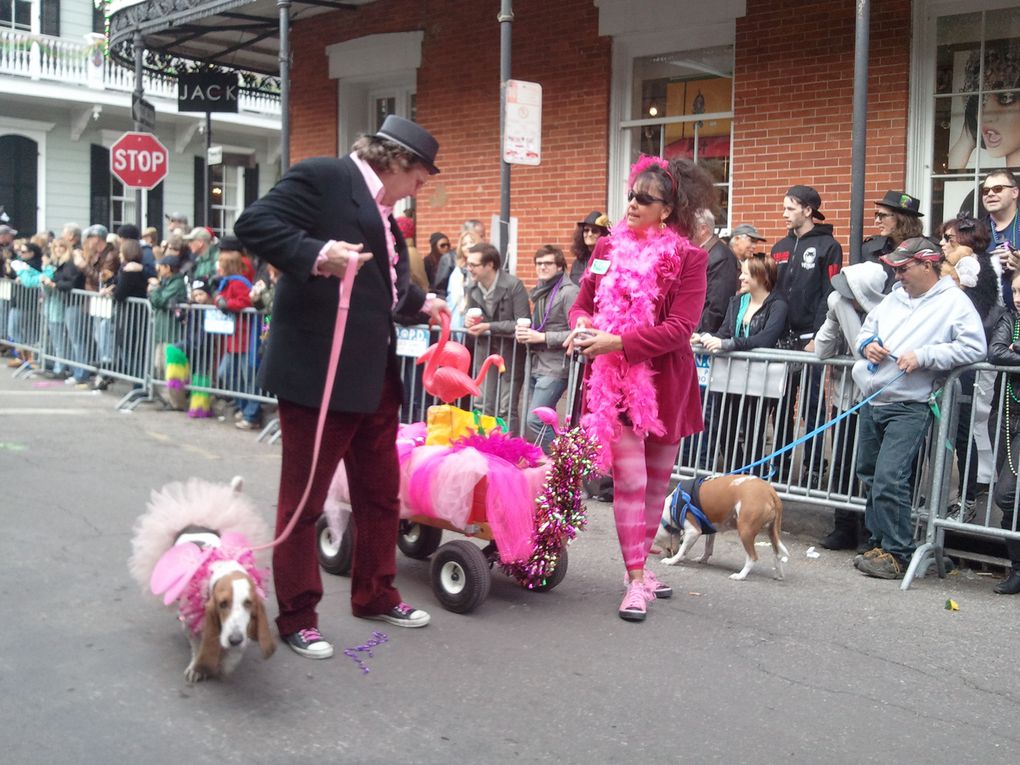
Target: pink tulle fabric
(440,482)
(627,299)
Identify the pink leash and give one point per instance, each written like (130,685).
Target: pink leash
(334,357)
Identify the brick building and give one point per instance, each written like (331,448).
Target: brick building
(759,91)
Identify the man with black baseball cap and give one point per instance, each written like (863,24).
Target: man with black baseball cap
(323,212)
(907,345)
(807,257)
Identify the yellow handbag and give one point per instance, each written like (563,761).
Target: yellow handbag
(446,423)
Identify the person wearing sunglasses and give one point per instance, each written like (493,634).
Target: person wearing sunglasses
(907,345)
(587,233)
(439,245)
(999,195)
(639,302)
(551,298)
(897,218)
(964,243)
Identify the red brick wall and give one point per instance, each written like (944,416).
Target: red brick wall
(554,44)
(793,108)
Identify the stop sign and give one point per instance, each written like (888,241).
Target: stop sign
(139,160)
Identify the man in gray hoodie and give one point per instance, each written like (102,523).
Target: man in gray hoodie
(923,329)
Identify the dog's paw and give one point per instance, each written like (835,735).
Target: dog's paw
(669,561)
(193,675)
(738,577)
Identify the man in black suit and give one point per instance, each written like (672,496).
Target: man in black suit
(723,272)
(308,226)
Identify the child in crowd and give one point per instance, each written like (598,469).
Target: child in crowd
(166,291)
(233,295)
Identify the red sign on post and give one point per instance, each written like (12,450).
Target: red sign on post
(139,160)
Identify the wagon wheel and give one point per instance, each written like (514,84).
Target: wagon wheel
(334,555)
(460,576)
(557,574)
(418,541)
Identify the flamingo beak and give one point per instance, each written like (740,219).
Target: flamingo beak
(502,367)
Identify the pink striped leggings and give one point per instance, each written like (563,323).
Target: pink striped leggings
(641,471)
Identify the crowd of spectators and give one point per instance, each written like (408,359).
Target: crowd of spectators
(793,295)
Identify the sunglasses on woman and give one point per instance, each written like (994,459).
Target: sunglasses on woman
(643,199)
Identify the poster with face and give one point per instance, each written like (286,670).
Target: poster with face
(976,107)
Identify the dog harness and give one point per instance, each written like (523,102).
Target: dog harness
(682,503)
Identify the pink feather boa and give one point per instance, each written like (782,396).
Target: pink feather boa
(628,299)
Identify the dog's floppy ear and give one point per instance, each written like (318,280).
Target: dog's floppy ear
(258,627)
(207,661)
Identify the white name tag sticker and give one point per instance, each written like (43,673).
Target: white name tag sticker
(599,266)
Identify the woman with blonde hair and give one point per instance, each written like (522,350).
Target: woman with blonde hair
(456,287)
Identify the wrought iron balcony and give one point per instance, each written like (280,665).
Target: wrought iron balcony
(63,61)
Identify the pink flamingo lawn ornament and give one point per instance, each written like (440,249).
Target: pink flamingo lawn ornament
(446,364)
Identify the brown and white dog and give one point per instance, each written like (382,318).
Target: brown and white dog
(196,534)
(745,503)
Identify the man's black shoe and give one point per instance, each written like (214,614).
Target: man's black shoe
(1010,585)
(840,539)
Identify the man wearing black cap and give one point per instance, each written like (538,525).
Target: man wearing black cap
(898,218)
(320,214)
(906,347)
(807,257)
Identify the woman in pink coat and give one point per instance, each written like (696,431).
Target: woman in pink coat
(640,300)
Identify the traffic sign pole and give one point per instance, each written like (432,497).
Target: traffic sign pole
(139,92)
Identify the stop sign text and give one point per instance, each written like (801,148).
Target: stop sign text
(139,160)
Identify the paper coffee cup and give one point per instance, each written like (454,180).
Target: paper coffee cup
(524,322)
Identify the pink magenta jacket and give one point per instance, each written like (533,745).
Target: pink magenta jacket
(666,346)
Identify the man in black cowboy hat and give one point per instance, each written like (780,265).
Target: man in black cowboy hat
(321,212)
(897,218)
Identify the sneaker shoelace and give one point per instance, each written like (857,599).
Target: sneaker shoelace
(310,635)
(636,597)
(404,608)
(652,582)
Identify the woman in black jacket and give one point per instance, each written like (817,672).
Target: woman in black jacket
(755,318)
(1004,350)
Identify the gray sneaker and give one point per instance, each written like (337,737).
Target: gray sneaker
(309,643)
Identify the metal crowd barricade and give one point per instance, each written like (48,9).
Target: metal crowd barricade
(25,324)
(973,441)
(223,351)
(502,395)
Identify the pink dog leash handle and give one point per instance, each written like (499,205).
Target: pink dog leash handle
(327,392)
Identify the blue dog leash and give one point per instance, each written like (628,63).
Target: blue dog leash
(821,428)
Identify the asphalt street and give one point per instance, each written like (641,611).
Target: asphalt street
(825,666)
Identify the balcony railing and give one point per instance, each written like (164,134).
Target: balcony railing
(58,59)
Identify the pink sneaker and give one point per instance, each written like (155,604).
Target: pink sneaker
(658,589)
(635,601)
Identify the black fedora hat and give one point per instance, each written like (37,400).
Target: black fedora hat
(412,137)
(899,200)
(595,218)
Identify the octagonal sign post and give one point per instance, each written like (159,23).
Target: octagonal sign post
(139,160)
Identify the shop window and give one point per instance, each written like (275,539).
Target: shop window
(682,106)
(976,106)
